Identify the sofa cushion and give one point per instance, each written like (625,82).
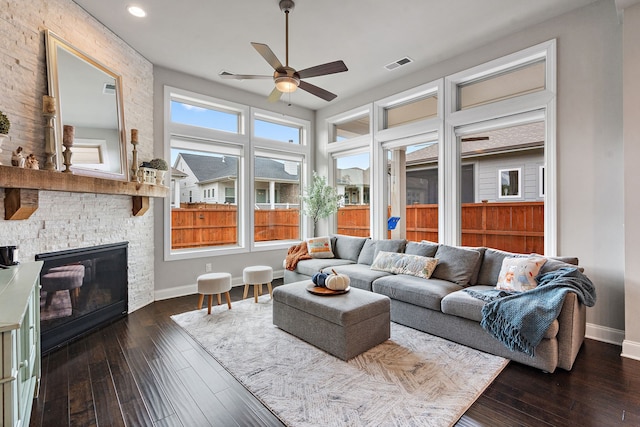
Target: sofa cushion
(492,264)
(461,304)
(519,274)
(397,263)
(554,263)
(348,247)
(320,247)
(423,248)
(371,249)
(427,293)
(360,275)
(455,264)
(368,252)
(310,267)
(476,273)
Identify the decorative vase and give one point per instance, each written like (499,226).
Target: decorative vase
(160,176)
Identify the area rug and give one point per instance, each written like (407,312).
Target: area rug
(413,379)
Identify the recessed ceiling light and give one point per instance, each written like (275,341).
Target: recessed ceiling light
(137,11)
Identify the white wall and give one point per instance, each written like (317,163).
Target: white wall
(179,277)
(71,220)
(631,24)
(589,135)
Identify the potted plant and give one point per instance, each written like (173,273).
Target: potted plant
(320,200)
(5,124)
(161,167)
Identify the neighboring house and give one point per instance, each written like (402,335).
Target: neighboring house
(176,178)
(212,179)
(505,165)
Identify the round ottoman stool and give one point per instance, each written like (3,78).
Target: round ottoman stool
(257,276)
(63,278)
(214,283)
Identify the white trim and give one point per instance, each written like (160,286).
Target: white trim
(630,349)
(604,334)
(347,116)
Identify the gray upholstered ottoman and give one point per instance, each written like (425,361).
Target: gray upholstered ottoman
(343,325)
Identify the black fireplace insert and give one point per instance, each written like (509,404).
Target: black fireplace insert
(81,290)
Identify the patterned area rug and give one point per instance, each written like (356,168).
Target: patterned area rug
(413,379)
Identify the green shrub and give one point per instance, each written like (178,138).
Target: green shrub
(5,124)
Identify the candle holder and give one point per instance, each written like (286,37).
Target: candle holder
(67,141)
(134,159)
(49,112)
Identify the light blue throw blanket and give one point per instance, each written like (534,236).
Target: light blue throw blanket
(520,319)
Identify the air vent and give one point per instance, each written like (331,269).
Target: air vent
(109,89)
(399,63)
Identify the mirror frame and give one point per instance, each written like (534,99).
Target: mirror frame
(53,42)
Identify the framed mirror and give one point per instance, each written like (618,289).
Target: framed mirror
(88,96)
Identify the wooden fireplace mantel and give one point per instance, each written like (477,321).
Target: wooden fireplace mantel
(22,186)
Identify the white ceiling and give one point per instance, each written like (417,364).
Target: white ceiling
(204,37)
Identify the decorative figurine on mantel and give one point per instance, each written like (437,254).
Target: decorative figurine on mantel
(17,158)
(32,162)
(67,141)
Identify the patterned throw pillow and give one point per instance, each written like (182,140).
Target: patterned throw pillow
(320,247)
(397,263)
(519,274)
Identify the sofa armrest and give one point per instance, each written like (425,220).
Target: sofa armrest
(572,325)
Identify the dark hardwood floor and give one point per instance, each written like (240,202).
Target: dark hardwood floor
(144,370)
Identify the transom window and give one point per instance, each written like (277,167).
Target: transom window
(410,112)
(198,114)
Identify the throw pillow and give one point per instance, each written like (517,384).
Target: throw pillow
(368,252)
(456,264)
(348,247)
(519,274)
(423,248)
(319,247)
(399,263)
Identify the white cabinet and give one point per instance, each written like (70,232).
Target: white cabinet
(19,342)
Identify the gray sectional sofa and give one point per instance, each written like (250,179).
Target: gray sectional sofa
(439,306)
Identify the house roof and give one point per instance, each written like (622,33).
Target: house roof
(210,168)
(527,136)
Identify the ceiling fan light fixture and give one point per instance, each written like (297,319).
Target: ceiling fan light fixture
(287,84)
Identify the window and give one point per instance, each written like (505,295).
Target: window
(352,182)
(541,181)
(223,175)
(351,128)
(511,83)
(509,183)
(206,222)
(410,112)
(277,206)
(277,131)
(199,114)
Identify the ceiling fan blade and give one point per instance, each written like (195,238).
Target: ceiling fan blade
(323,70)
(275,95)
(317,91)
(227,75)
(266,52)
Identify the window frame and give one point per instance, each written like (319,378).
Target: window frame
(245,143)
(517,196)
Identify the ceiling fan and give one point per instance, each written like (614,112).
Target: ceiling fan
(288,79)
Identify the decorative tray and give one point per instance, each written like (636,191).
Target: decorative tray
(319,290)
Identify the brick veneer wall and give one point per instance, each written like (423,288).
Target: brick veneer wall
(71,220)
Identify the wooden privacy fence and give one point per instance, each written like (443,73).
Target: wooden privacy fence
(217,225)
(514,227)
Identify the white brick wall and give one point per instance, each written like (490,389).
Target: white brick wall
(71,220)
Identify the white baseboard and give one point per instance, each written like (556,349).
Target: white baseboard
(631,349)
(180,291)
(604,334)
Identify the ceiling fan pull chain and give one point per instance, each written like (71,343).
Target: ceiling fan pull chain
(286,37)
